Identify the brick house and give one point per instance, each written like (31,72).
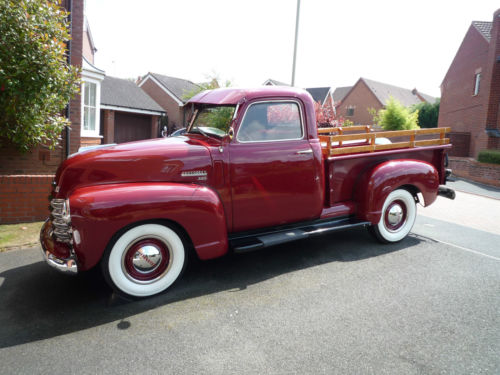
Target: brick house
(321,94)
(127,112)
(273,82)
(339,94)
(169,93)
(366,94)
(470,91)
(25,178)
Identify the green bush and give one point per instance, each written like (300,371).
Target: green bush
(36,81)
(427,114)
(395,116)
(489,156)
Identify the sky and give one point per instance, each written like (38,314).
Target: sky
(405,43)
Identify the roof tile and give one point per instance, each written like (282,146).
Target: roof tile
(125,93)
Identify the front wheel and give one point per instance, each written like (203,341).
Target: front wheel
(398,216)
(145,260)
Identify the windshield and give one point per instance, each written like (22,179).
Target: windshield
(212,121)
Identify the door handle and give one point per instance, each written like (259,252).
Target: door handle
(304,152)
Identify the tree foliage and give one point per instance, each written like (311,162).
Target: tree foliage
(216,117)
(427,114)
(36,82)
(326,116)
(395,116)
(213,82)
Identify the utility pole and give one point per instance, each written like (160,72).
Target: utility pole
(295,44)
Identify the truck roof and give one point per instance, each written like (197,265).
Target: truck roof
(233,96)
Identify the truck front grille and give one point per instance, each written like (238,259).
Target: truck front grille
(61,220)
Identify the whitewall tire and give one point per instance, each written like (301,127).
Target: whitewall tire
(398,216)
(145,260)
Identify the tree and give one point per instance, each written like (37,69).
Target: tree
(36,82)
(213,82)
(427,114)
(395,116)
(326,116)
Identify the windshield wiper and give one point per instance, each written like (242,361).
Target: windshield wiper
(199,130)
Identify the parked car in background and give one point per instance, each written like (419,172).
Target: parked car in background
(178,132)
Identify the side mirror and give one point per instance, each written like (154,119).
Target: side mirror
(230,133)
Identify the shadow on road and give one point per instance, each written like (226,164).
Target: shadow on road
(39,303)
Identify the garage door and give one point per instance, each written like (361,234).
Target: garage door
(131,127)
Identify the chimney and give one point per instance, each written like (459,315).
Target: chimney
(420,97)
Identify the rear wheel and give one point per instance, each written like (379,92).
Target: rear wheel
(398,216)
(145,260)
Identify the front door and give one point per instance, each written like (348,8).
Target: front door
(273,174)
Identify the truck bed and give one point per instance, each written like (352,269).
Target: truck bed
(347,156)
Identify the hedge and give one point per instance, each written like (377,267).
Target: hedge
(489,156)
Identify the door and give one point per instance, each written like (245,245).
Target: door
(272,170)
(131,127)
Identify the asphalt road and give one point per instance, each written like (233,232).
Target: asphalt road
(341,304)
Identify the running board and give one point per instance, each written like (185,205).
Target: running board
(250,242)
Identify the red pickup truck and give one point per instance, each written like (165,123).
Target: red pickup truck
(250,172)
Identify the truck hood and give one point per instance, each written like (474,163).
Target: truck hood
(177,159)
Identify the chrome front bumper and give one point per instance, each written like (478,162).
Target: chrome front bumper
(67,265)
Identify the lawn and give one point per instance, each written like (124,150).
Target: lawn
(19,235)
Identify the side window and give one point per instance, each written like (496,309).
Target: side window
(477,81)
(271,121)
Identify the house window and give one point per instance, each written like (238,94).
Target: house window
(90,109)
(477,81)
(350,111)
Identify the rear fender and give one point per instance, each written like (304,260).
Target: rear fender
(99,212)
(374,186)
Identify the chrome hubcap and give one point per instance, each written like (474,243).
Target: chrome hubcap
(146,259)
(395,215)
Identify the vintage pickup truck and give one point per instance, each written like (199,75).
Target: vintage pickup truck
(252,171)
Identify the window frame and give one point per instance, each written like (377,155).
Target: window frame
(96,132)
(350,108)
(477,84)
(301,118)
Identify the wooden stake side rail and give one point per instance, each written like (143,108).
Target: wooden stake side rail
(334,144)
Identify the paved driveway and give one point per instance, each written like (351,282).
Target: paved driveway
(336,304)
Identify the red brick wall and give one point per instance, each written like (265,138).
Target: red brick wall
(459,108)
(164,100)
(361,98)
(480,172)
(77,13)
(108,125)
(460,142)
(493,71)
(24,198)
(37,161)
(88,53)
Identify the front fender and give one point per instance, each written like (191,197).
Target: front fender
(99,212)
(374,186)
